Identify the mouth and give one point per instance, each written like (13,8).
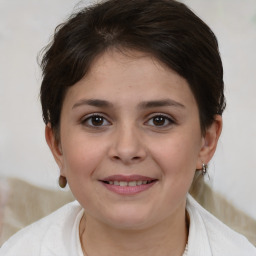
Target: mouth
(133,183)
(128,185)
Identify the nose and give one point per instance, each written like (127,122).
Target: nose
(127,146)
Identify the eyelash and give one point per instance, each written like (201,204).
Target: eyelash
(89,118)
(166,118)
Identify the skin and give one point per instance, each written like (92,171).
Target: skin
(128,140)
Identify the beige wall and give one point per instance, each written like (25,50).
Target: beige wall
(25,27)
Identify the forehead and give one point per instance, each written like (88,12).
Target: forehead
(130,76)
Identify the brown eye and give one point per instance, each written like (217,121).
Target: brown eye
(160,121)
(95,121)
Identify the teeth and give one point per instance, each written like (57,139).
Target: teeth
(130,183)
(123,183)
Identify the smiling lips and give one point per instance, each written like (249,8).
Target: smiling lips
(128,185)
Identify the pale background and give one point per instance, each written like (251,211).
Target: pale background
(25,28)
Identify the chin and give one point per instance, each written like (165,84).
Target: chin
(129,219)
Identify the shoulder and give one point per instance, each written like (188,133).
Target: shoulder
(33,239)
(219,238)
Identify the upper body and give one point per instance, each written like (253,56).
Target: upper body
(58,235)
(132,98)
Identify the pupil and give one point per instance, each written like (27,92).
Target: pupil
(97,120)
(159,120)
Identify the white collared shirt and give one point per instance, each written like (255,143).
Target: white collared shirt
(58,235)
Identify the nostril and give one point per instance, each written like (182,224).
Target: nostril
(135,158)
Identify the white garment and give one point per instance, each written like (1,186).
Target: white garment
(58,235)
(54,235)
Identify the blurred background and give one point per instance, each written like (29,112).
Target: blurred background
(26,27)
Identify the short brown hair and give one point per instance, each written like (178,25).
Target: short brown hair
(166,29)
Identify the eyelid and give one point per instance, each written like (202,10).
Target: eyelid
(87,117)
(168,117)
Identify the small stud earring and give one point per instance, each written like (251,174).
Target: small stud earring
(204,168)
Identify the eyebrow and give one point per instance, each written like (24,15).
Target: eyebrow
(160,103)
(94,103)
(142,105)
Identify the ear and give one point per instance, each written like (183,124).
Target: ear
(210,141)
(54,146)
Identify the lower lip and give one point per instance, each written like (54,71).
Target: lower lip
(127,190)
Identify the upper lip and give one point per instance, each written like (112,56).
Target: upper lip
(127,178)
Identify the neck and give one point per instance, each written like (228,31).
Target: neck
(166,238)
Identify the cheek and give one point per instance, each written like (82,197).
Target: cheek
(81,156)
(177,155)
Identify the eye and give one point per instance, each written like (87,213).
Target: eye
(95,120)
(160,121)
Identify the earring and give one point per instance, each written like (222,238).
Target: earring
(204,168)
(62,181)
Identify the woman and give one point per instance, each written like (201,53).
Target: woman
(132,98)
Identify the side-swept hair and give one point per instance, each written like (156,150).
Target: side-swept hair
(166,29)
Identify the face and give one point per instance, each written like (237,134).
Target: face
(130,141)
